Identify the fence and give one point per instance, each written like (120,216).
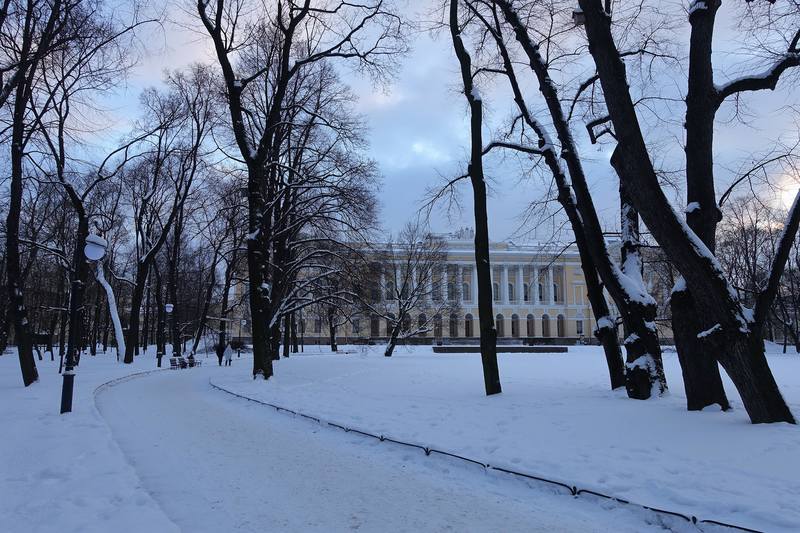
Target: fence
(567,488)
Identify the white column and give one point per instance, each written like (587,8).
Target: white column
(460,284)
(520,290)
(445,295)
(550,285)
(535,283)
(504,284)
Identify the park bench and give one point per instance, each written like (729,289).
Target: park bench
(179,362)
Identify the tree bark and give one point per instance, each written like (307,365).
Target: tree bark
(725,322)
(488,333)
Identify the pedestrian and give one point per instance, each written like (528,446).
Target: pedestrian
(228,355)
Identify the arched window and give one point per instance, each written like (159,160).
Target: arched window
(499,325)
(407,323)
(531,326)
(545,326)
(511,297)
(390,320)
(579,327)
(318,325)
(453,326)
(556,295)
(560,326)
(437,326)
(374,326)
(496,291)
(390,290)
(466,294)
(422,323)
(515,325)
(356,326)
(526,292)
(451,292)
(468,326)
(541,292)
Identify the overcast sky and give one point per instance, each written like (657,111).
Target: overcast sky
(419,133)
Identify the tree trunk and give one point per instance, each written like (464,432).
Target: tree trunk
(16,300)
(132,343)
(641,336)
(295,346)
(393,339)
(287,325)
(701,378)
(488,333)
(160,336)
(76,310)
(740,352)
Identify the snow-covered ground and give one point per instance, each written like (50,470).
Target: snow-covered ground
(557,418)
(166,452)
(66,472)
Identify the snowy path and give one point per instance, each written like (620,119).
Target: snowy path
(216,463)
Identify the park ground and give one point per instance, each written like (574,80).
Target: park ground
(170,451)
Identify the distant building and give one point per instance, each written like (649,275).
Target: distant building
(539,295)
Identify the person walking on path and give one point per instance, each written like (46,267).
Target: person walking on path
(228,355)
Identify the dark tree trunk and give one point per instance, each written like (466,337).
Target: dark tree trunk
(137,295)
(16,300)
(393,339)
(488,333)
(739,350)
(287,326)
(295,347)
(160,335)
(701,378)
(79,275)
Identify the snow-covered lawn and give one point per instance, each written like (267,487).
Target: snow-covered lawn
(179,455)
(557,418)
(66,473)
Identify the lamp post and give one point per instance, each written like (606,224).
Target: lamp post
(168,308)
(94,250)
(242,323)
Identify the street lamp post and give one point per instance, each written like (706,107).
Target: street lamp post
(242,323)
(94,250)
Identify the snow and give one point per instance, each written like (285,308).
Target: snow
(557,418)
(180,455)
(692,207)
(709,331)
(65,472)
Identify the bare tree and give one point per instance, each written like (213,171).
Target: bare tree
(730,331)
(488,332)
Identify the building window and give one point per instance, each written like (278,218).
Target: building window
(453,326)
(579,327)
(466,294)
(498,324)
(390,290)
(560,326)
(531,326)
(526,292)
(422,323)
(451,292)
(407,323)
(545,326)
(468,326)
(390,320)
(437,326)
(556,295)
(318,325)
(541,293)
(356,326)
(374,326)
(496,292)
(515,325)
(511,297)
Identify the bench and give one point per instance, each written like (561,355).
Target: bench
(179,362)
